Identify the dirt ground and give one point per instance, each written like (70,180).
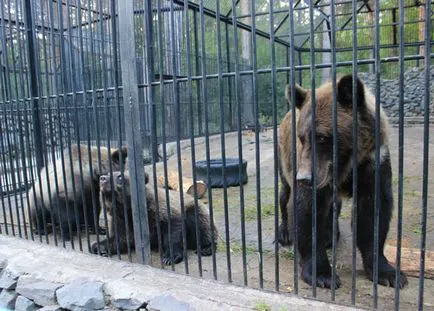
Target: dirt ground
(412,213)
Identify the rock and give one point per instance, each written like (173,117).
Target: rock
(3,264)
(51,308)
(24,304)
(8,298)
(81,295)
(168,303)
(8,278)
(40,291)
(128,303)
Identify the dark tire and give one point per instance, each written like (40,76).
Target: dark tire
(231,169)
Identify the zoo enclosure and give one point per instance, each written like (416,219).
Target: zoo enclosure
(190,68)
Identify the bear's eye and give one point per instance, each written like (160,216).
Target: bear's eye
(301,137)
(321,139)
(119,180)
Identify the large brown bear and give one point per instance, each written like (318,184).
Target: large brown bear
(324,150)
(117,215)
(53,200)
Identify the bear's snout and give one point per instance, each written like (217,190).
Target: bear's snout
(304,177)
(103,180)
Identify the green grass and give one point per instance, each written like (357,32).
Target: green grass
(237,247)
(287,254)
(262,306)
(251,212)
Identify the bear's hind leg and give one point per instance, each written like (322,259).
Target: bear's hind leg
(365,222)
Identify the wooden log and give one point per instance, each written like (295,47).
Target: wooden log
(410,260)
(187,184)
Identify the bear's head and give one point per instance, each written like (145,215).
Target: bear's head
(324,128)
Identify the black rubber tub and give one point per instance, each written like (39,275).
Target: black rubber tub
(216,172)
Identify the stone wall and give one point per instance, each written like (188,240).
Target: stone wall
(36,276)
(414,93)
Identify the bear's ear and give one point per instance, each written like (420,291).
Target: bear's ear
(119,154)
(146,178)
(345,91)
(300,95)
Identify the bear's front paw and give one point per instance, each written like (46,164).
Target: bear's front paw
(284,237)
(177,258)
(323,278)
(103,251)
(387,276)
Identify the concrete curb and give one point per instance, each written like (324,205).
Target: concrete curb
(133,284)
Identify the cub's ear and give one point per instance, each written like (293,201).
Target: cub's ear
(300,95)
(119,154)
(345,91)
(146,178)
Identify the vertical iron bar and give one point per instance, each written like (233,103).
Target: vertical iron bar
(177,125)
(56,100)
(149,45)
(257,144)
(77,131)
(228,69)
(72,88)
(59,123)
(275,146)
(207,145)
(163,134)
(34,92)
(94,85)
(133,126)
(300,72)
(11,164)
(335,143)
(377,205)
(354,157)
(85,109)
(193,153)
(109,135)
(50,127)
(222,117)
(237,83)
(34,86)
(400,152)
(427,61)
(20,96)
(197,63)
(150,77)
(313,100)
(294,139)
(119,113)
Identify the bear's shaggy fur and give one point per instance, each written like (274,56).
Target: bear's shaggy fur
(53,201)
(324,171)
(117,214)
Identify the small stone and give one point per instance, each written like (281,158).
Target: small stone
(81,295)
(40,291)
(8,279)
(3,264)
(24,304)
(51,308)
(8,298)
(128,303)
(168,303)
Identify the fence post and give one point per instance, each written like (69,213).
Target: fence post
(34,87)
(133,130)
